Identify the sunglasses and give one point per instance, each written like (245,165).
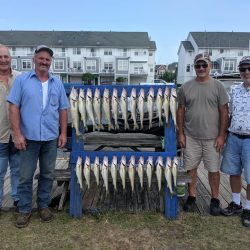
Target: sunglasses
(244,69)
(203,65)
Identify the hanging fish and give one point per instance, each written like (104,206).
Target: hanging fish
(133,107)
(106,108)
(78,170)
(96,170)
(97,109)
(113,170)
(82,108)
(149,170)
(140,105)
(150,106)
(173,107)
(105,172)
(89,107)
(158,171)
(159,102)
(122,171)
(174,170)
(140,170)
(73,97)
(131,172)
(86,171)
(168,174)
(115,102)
(166,103)
(124,108)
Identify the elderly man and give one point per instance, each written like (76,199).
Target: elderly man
(38,105)
(8,153)
(202,119)
(237,152)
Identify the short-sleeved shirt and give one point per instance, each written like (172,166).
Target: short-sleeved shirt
(4,120)
(38,123)
(239,109)
(202,102)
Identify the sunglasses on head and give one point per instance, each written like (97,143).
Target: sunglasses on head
(203,65)
(244,69)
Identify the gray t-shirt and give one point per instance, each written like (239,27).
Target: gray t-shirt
(202,102)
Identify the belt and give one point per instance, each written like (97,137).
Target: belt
(241,136)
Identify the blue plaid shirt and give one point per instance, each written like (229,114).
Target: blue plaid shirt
(36,123)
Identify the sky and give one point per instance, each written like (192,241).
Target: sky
(167,22)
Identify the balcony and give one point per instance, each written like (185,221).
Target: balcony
(107,72)
(138,72)
(75,70)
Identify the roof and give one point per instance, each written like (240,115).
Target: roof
(187,45)
(221,39)
(77,39)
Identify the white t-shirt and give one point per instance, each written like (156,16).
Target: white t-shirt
(45,93)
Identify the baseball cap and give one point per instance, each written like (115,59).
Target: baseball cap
(244,60)
(202,57)
(40,48)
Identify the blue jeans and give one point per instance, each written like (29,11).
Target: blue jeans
(9,155)
(46,152)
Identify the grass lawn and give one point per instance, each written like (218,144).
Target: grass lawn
(125,231)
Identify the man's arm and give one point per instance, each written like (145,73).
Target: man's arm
(220,140)
(14,117)
(63,119)
(180,125)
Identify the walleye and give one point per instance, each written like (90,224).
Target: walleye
(149,170)
(96,170)
(78,170)
(158,171)
(133,107)
(175,169)
(97,109)
(140,105)
(89,107)
(166,104)
(73,97)
(122,171)
(105,173)
(86,170)
(113,170)
(114,103)
(140,170)
(168,175)
(106,108)
(159,101)
(82,108)
(173,107)
(124,108)
(150,105)
(131,172)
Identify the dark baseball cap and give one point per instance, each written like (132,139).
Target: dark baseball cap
(40,48)
(202,57)
(244,60)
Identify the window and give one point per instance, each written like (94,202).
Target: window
(124,52)
(138,69)
(92,52)
(26,64)
(108,52)
(240,53)
(14,64)
(150,54)
(76,51)
(108,66)
(188,68)
(140,53)
(77,65)
(221,51)
(13,51)
(229,65)
(210,52)
(59,64)
(91,65)
(122,65)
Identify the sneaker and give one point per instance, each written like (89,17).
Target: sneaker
(245,217)
(22,220)
(232,209)
(45,214)
(190,204)
(215,209)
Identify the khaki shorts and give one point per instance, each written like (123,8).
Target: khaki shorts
(197,150)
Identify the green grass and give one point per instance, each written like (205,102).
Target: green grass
(125,231)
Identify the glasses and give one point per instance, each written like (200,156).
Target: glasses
(244,69)
(198,66)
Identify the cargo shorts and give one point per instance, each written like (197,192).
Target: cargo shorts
(197,150)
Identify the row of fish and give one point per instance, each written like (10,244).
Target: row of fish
(90,107)
(169,170)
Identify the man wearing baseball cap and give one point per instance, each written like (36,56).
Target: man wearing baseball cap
(202,120)
(38,105)
(237,152)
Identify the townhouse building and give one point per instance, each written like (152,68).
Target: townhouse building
(106,55)
(225,50)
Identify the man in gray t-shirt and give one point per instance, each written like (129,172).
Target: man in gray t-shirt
(202,120)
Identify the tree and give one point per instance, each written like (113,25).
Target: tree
(121,79)
(169,76)
(87,78)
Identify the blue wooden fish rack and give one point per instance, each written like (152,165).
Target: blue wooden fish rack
(76,204)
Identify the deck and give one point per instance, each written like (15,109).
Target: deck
(95,198)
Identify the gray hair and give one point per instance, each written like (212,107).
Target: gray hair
(4,46)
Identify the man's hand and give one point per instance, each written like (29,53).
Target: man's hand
(182,140)
(62,140)
(19,141)
(219,143)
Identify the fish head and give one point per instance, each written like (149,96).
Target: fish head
(97,94)
(89,94)
(123,160)
(173,93)
(141,160)
(105,161)
(97,162)
(159,92)
(159,160)
(176,161)
(73,94)
(133,93)
(82,94)
(114,160)
(132,160)
(115,92)
(151,93)
(79,160)
(168,162)
(124,93)
(150,161)
(167,92)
